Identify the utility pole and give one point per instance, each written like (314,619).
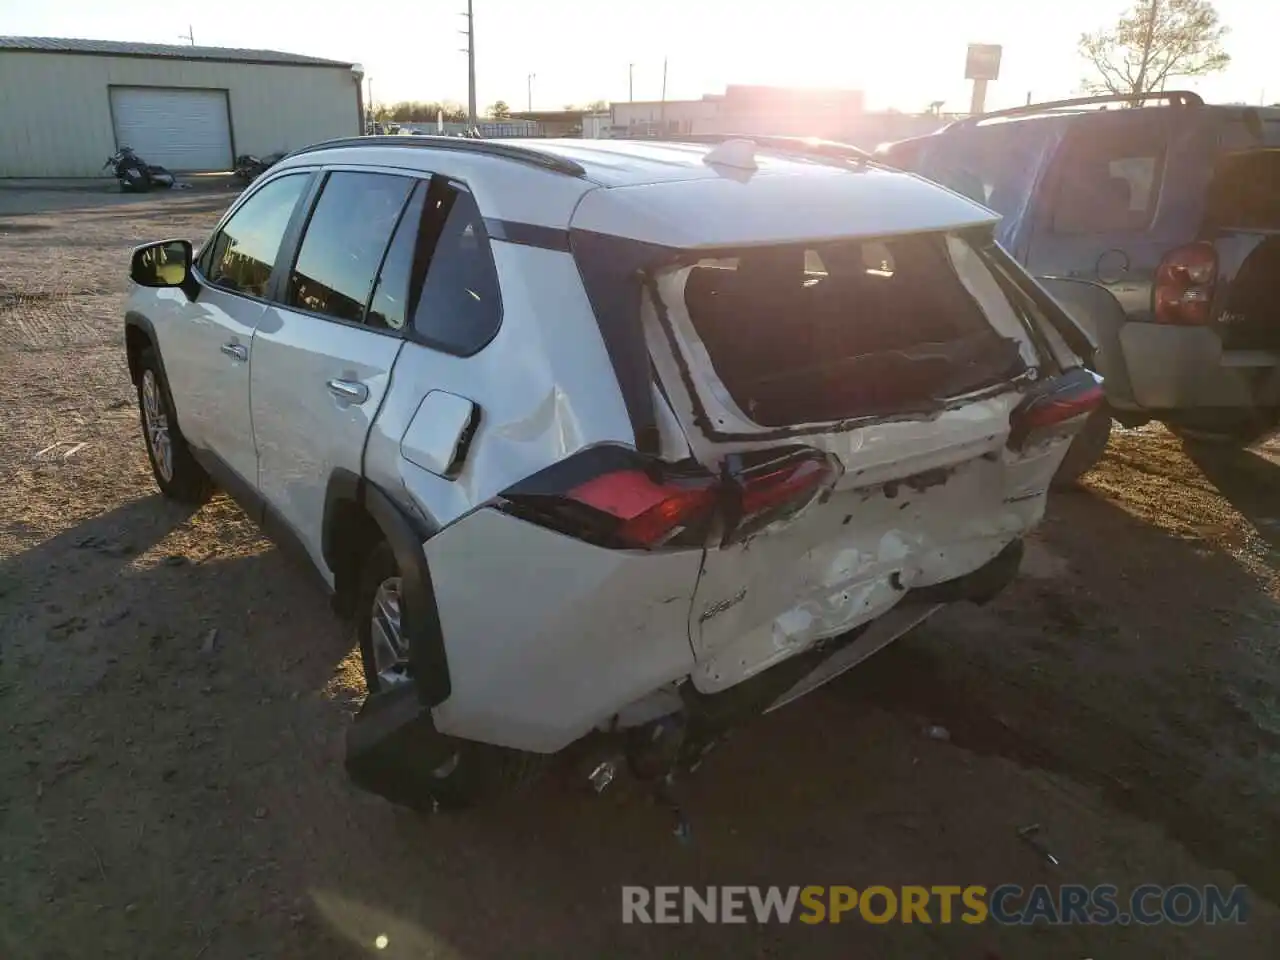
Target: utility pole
(631,82)
(532,77)
(471,64)
(664,95)
(189,36)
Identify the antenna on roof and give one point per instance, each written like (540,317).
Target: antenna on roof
(739,154)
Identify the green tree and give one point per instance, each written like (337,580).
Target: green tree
(1154,42)
(500,110)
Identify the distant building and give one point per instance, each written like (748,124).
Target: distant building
(779,111)
(66,105)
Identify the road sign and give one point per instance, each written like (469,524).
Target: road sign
(983,62)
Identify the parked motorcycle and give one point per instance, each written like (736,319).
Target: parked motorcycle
(249,168)
(135,175)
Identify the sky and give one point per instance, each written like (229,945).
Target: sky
(902,53)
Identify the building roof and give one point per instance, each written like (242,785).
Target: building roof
(164,51)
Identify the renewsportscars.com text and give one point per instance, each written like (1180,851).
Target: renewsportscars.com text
(1007,904)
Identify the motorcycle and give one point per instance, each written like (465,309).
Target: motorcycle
(249,168)
(135,175)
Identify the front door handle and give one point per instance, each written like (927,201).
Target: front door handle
(349,390)
(236,351)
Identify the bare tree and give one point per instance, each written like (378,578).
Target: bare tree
(1155,41)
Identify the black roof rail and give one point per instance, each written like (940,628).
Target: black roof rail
(803,146)
(507,151)
(1177,98)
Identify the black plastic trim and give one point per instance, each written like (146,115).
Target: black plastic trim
(133,318)
(527,234)
(428,659)
(505,151)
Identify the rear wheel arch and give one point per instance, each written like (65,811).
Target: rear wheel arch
(357,516)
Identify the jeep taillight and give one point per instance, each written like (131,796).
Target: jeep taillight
(614,497)
(1183,292)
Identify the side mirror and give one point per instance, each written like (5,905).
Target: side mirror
(166,263)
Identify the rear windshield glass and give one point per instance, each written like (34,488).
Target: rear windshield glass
(828,331)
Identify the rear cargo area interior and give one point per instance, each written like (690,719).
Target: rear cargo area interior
(830,331)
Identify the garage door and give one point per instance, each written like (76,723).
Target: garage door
(179,129)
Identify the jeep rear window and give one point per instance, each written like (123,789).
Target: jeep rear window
(827,331)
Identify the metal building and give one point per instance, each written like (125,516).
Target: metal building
(66,105)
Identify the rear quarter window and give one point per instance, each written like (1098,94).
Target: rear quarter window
(1108,178)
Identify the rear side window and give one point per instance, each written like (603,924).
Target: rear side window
(459,307)
(345,239)
(244,252)
(1109,178)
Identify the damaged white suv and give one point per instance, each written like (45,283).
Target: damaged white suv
(630,439)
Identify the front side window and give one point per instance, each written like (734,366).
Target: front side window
(244,252)
(344,242)
(459,309)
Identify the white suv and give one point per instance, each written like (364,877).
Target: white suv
(603,436)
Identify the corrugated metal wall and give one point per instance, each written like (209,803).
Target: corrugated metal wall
(55,116)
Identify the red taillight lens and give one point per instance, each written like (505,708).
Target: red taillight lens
(771,492)
(1183,292)
(1054,408)
(614,497)
(649,513)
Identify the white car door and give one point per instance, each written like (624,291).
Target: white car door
(206,348)
(322,358)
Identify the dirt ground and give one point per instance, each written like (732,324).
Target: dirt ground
(166,796)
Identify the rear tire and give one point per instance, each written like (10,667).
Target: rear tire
(473,773)
(177,473)
(1244,432)
(1087,448)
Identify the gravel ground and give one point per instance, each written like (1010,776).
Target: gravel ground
(173,696)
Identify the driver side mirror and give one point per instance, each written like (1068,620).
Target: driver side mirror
(166,263)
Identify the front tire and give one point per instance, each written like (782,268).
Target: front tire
(177,473)
(471,773)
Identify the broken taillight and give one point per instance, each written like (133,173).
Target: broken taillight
(1055,408)
(777,488)
(614,497)
(1183,291)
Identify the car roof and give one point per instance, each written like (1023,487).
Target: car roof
(687,195)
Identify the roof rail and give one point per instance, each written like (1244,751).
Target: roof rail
(507,151)
(1177,98)
(802,146)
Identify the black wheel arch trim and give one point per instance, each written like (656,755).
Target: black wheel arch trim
(139,321)
(405,536)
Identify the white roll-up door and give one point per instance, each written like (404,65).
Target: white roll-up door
(184,130)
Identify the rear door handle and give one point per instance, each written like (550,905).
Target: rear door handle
(349,390)
(235,351)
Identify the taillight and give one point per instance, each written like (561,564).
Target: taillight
(616,498)
(778,488)
(648,513)
(1055,408)
(1183,292)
